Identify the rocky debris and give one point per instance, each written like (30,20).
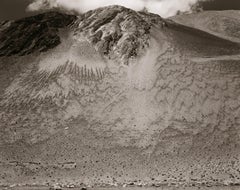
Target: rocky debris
(56,187)
(32,34)
(67,165)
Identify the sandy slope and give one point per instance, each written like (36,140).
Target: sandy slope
(225,24)
(168,115)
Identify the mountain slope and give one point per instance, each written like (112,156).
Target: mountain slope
(37,33)
(122,97)
(224,24)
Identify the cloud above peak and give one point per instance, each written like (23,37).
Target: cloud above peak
(164,8)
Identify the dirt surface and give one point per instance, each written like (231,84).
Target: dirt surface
(130,188)
(170,114)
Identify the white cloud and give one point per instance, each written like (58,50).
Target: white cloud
(167,8)
(164,8)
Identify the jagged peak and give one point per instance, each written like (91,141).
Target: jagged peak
(117,32)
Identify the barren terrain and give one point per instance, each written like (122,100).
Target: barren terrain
(114,102)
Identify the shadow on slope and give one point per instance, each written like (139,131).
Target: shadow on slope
(194,42)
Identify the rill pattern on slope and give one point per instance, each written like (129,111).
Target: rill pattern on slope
(37,85)
(129,122)
(178,122)
(126,107)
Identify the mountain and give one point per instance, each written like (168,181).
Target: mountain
(38,33)
(114,97)
(225,24)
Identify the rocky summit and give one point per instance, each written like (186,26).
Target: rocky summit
(117,97)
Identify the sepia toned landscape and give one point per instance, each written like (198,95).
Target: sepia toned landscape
(120,99)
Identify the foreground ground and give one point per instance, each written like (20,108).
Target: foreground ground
(133,188)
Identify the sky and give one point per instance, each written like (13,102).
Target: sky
(15,9)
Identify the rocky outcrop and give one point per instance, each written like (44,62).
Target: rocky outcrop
(118,33)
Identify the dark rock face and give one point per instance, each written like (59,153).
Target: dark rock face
(117,32)
(36,33)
